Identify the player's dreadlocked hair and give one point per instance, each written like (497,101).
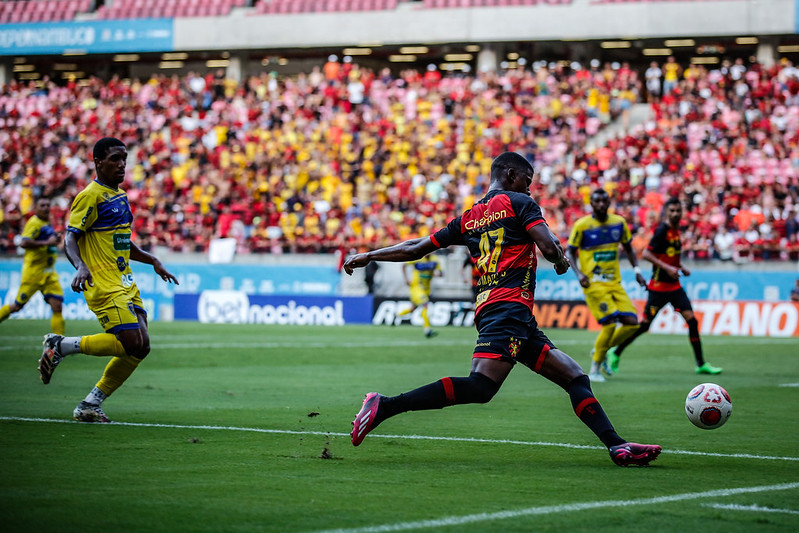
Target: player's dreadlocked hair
(102,146)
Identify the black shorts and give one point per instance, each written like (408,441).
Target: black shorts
(502,335)
(657,300)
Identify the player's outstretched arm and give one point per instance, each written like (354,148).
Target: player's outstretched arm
(550,247)
(137,254)
(571,255)
(672,271)
(628,249)
(83,278)
(409,250)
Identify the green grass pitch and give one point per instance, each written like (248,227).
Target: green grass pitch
(245,428)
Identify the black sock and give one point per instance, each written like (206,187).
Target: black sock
(588,410)
(696,342)
(476,388)
(643,328)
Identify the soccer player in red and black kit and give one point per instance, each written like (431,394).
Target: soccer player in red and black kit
(664,252)
(501,232)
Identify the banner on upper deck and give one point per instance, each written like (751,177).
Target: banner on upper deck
(90,37)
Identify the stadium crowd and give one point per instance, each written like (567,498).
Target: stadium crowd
(347,157)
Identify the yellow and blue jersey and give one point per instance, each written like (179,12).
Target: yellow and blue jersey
(423,271)
(598,245)
(101,216)
(41,260)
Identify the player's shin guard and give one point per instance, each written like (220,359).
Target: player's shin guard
(116,372)
(588,410)
(57,324)
(102,345)
(425,318)
(477,388)
(696,342)
(603,342)
(623,333)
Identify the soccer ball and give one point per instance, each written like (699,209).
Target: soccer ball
(708,406)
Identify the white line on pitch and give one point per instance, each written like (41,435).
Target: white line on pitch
(755,508)
(789,384)
(403,437)
(554,509)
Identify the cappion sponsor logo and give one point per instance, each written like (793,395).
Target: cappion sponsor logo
(486,219)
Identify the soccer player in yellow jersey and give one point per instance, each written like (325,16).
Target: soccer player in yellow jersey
(422,272)
(38,267)
(594,252)
(99,246)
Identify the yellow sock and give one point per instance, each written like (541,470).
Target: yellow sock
(57,324)
(5,312)
(101,345)
(602,342)
(623,333)
(116,372)
(425,317)
(405,311)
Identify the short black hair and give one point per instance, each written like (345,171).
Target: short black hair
(601,192)
(508,160)
(672,201)
(102,146)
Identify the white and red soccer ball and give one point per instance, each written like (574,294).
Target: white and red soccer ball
(708,406)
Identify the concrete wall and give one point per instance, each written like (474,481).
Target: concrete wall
(410,24)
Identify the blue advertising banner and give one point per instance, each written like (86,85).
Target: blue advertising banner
(235,307)
(194,278)
(718,285)
(92,37)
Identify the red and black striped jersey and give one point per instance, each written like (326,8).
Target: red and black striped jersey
(495,232)
(666,246)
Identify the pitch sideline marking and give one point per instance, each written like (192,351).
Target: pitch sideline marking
(403,437)
(551,509)
(754,508)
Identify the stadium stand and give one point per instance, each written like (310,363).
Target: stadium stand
(133,9)
(26,11)
(348,157)
(321,6)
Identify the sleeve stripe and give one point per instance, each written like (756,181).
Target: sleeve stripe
(535,223)
(434,241)
(75,230)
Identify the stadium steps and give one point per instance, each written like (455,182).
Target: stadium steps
(639,113)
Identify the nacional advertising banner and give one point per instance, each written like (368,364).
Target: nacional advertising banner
(235,307)
(91,37)
(194,278)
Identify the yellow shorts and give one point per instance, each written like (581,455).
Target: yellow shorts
(48,285)
(119,313)
(419,296)
(608,302)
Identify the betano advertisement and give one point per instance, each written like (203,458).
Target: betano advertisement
(758,319)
